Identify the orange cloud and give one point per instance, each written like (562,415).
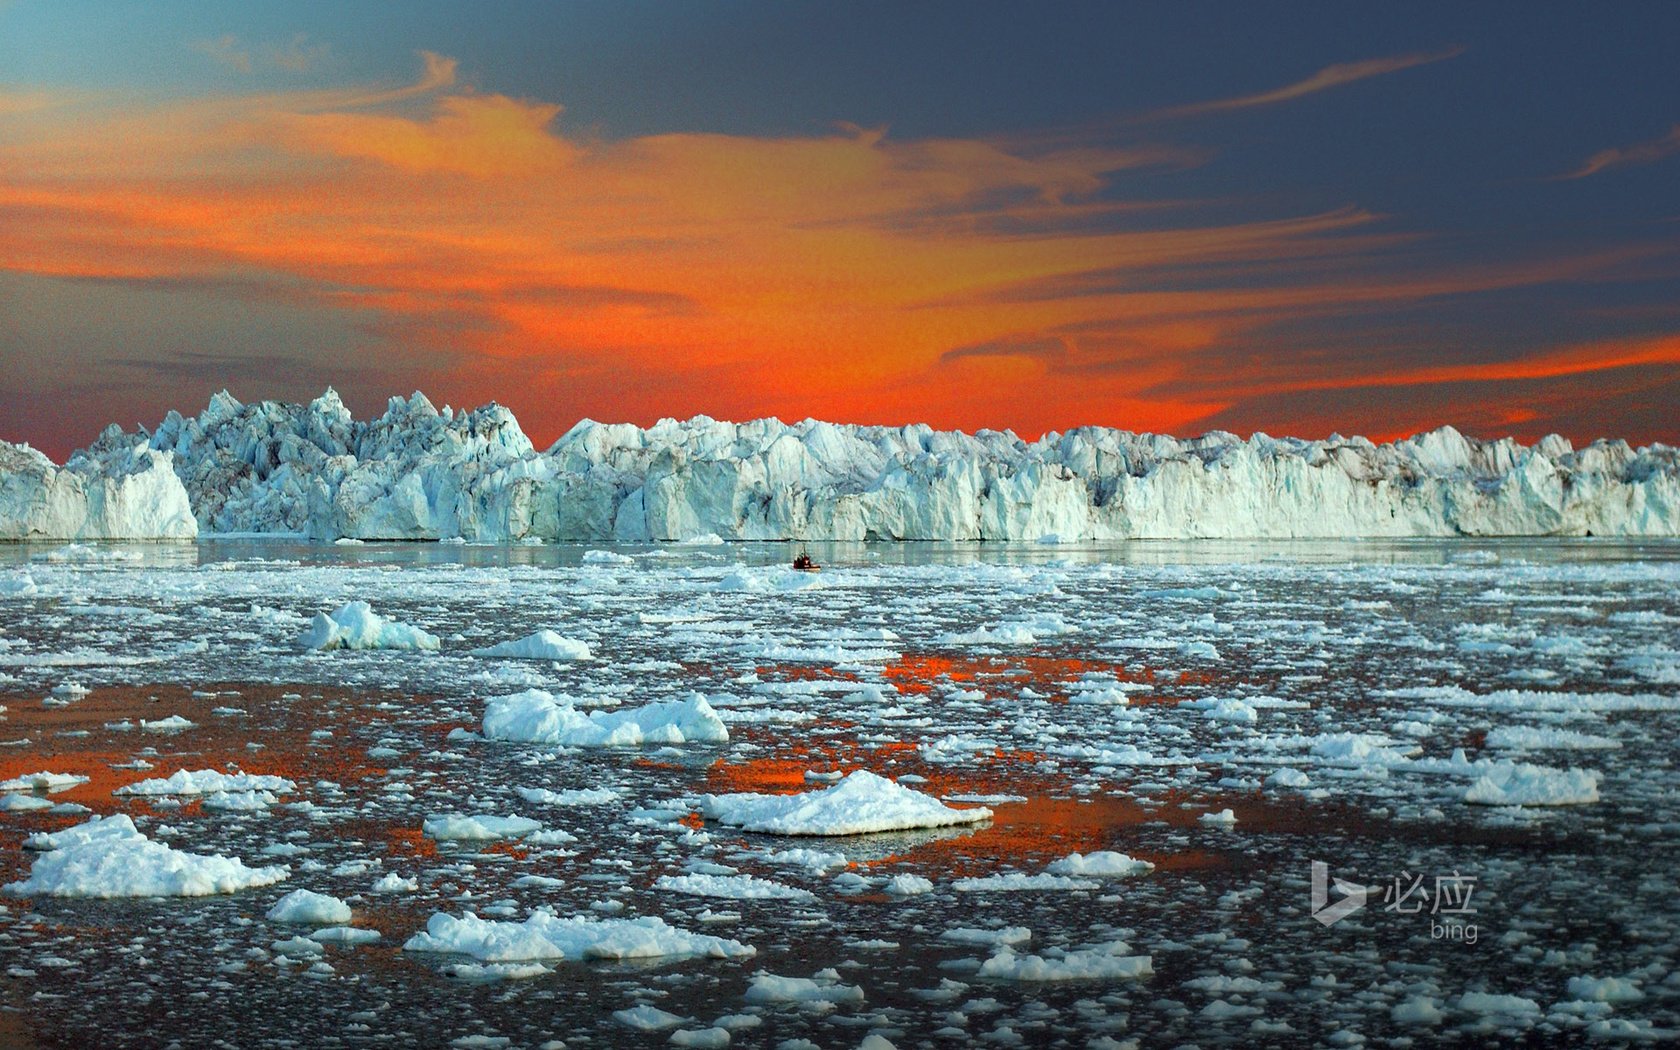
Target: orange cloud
(1641,153)
(1329,77)
(848,275)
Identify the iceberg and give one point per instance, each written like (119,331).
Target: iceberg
(536,716)
(861,804)
(422,473)
(357,626)
(543,645)
(120,488)
(109,857)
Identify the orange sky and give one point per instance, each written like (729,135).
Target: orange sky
(486,251)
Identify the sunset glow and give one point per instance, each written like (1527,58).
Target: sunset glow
(303,217)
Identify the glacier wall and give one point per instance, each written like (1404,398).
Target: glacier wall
(420,473)
(119,488)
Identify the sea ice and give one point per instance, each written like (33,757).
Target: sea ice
(1521,784)
(546,936)
(109,857)
(307,906)
(208,782)
(357,626)
(538,717)
(543,645)
(1101,863)
(862,803)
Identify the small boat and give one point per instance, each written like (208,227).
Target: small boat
(803,563)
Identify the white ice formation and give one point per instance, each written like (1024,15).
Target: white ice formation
(419,473)
(860,804)
(537,716)
(119,488)
(547,937)
(109,857)
(357,626)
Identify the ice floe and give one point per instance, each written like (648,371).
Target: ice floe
(862,803)
(545,937)
(356,626)
(543,645)
(537,716)
(109,857)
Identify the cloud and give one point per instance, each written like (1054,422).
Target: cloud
(1641,153)
(225,50)
(297,55)
(474,238)
(1329,77)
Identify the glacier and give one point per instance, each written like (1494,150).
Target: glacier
(421,473)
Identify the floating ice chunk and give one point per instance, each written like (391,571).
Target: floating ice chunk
(1513,784)
(240,801)
(824,987)
(116,828)
(394,883)
(862,803)
(1490,1003)
(1417,1009)
(19,802)
(43,781)
(908,886)
(356,626)
(208,782)
(702,1038)
(569,797)
(1008,935)
(1288,777)
(598,557)
(1013,632)
(538,717)
(1224,818)
(732,887)
(345,935)
(478,828)
(545,936)
(172,724)
(18,585)
(645,1018)
(812,859)
(307,906)
(1228,709)
(1015,882)
(1101,864)
(1605,990)
(1099,962)
(1532,738)
(543,645)
(1359,749)
(109,858)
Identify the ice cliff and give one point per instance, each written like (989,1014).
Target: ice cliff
(119,488)
(420,473)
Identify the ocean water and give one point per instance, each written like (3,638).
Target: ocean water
(1475,739)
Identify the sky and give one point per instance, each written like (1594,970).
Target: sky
(1301,219)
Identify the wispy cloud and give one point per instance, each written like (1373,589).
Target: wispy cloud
(297,55)
(1329,77)
(1640,153)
